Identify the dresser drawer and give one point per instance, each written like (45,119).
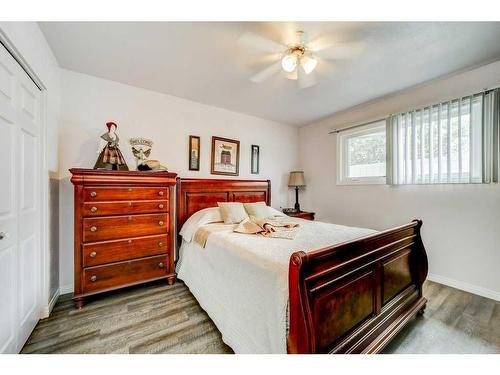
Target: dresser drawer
(118,250)
(114,227)
(118,274)
(124,193)
(123,207)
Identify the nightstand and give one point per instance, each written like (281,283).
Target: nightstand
(302,214)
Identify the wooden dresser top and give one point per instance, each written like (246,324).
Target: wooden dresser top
(102,176)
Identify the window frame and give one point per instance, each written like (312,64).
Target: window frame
(342,157)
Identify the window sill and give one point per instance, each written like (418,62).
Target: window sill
(363,181)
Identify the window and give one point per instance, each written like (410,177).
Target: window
(452,142)
(437,144)
(361,154)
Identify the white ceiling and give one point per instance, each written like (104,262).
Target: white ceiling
(204,62)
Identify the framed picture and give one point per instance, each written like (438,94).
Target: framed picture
(194,153)
(255,159)
(225,156)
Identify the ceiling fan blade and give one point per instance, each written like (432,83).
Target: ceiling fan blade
(264,44)
(305,80)
(266,72)
(339,51)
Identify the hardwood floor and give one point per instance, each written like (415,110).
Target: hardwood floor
(158,318)
(154,318)
(454,322)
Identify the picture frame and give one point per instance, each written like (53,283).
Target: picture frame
(194,153)
(255,158)
(225,158)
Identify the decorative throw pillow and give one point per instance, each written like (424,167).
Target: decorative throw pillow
(232,212)
(260,210)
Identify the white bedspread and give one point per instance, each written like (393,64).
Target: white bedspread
(241,281)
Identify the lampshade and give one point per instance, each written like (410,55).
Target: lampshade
(296,179)
(308,63)
(289,62)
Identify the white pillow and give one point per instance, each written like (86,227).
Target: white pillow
(196,220)
(232,212)
(274,212)
(260,210)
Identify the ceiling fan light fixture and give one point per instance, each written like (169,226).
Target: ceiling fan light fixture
(296,61)
(308,63)
(289,62)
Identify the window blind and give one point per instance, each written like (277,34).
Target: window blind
(491,136)
(450,142)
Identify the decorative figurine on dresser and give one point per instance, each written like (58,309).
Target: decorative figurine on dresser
(110,156)
(123,229)
(141,148)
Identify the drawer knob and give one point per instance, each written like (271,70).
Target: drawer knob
(129,241)
(93,228)
(160,193)
(161,265)
(93,194)
(93,209)
(160,205)
(160,222)
(93,254)
(160,244)
(93,278)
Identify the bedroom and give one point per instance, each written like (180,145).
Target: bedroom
(250,187)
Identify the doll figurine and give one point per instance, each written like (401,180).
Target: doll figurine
(110,156)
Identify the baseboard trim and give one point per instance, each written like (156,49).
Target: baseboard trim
(483,292)
(47,309)
(65,289)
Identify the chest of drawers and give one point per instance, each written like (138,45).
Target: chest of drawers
(123,229)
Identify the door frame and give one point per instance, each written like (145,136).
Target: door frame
(44,282)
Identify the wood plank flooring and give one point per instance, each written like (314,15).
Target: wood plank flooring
(454,322)
(158,318)
(155,318)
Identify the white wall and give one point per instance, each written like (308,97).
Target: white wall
(461,222)
(89,102)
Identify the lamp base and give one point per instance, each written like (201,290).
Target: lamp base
(297,205)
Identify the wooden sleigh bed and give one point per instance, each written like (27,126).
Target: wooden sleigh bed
(352,297)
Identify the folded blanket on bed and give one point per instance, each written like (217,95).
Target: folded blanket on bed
(273,228)
(201,235)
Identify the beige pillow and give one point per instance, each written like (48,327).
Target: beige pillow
(260,210)
(232,212)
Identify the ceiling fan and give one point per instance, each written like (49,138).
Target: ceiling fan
(297,60)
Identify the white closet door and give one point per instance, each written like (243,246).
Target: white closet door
(8,203)
(20,260)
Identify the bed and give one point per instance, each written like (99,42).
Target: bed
(333,289)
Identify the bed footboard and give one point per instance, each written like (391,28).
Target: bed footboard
(354,297)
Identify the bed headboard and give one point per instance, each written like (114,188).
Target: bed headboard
(196,194)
